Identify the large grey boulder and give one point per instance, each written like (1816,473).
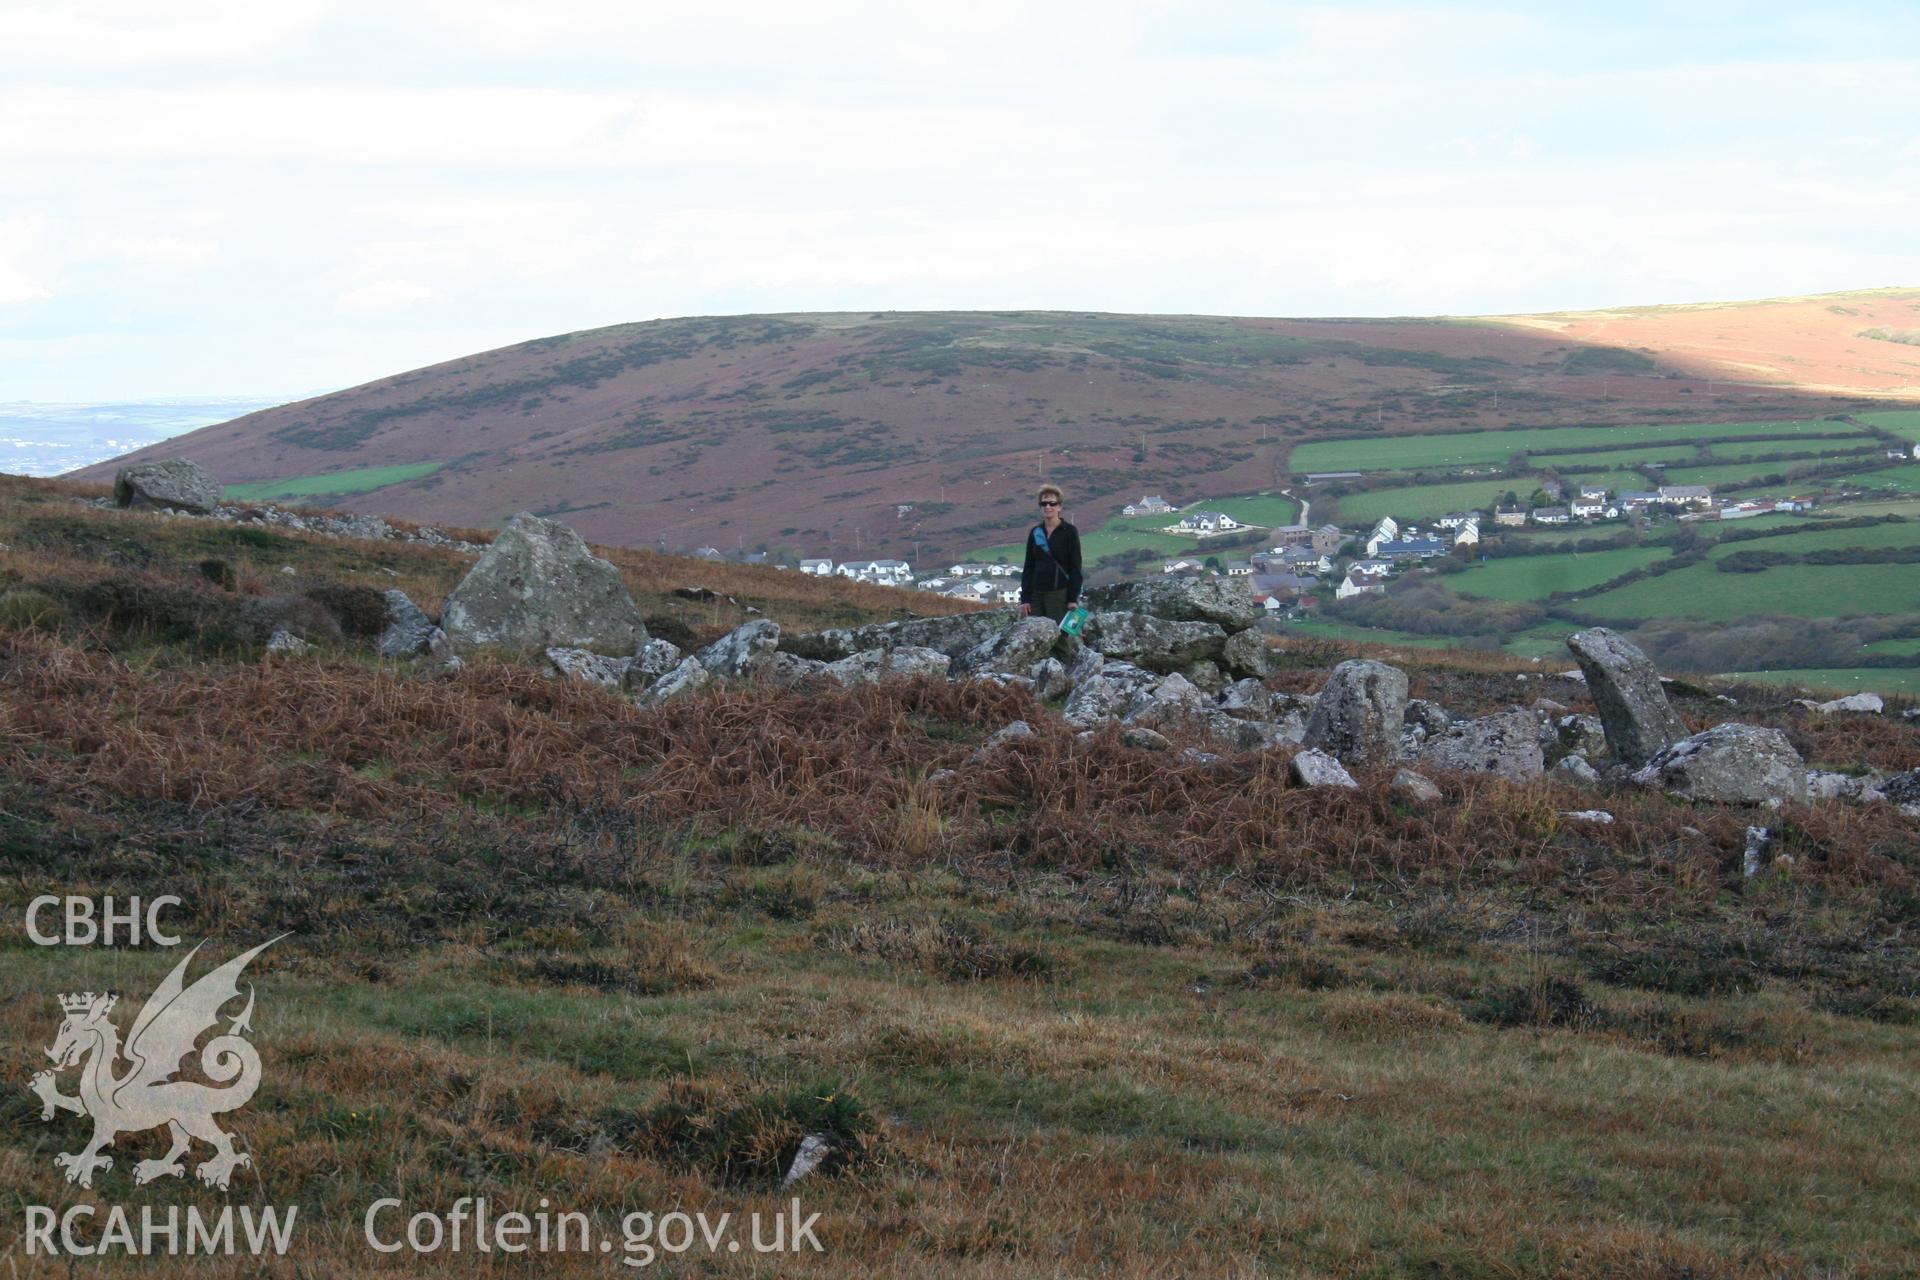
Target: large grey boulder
(1223,601)
(743,652)
(870,666)
(1729,764)
(1625,688)
(952,636)
(176,483)
(539,587)
(1016,648)
(1360,713)
(1247,655)
(1152,642)
(1505,745)
(408,631)
(1104,695)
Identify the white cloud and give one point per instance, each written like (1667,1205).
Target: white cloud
(22,245)
(43,35)
(383,295)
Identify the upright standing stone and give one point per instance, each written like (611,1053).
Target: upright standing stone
(1358,717)
(539,587)
(1626,690)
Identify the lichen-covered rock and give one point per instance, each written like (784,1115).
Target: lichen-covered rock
(1205,676)
(590,667)
(408,628)
(683,681)
(1359,715)
(1245,735)
(1105,695)
(871,665)
(1626,689)
(1168,700)
(176,483)
(1248,700)
(1903,788)
(537,587)
(1505,745)
(1223,601)
(1247,655)
(1430,718)
(1575,769)
(785,670)
(1144,739)
(743,652)
(1855,703)
(287,644)
(1580,736)
(952,636)
(655,658)
(1050,679)
(1729,764)
(1826,785)
(1313,768)
(1155,643)
(1016,648)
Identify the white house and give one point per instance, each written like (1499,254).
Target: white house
(1351,586)
(1454,519)
(1508,517)
(1467,535)
(1552,515)
(818,568)
(1181,566)
(1590,491)
(1151,505)
(1686,495)
(1208,522)
(1239,568)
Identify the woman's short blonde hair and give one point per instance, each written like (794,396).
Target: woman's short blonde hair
(1053,489)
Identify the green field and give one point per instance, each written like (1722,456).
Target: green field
(1905,645)
(1535,577)
(1615,457)
(1327,629)
(360,481)
(1809,591)
(1904,479)
(1122,534)
(1478,448)
(1424,501)
(1733,473)
(1815,538)
(1838,679)
(1902,422)
(1734,451)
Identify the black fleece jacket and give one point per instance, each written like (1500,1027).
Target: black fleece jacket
(1063,570)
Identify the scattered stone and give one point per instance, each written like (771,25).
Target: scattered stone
(1016,648)
(1825,785)
(1222,601)
(287,643)
(688,678)
(1759,841)
(1581,735)
(871,665)
(408,628)
(655,658)
(1576,768)
(1548,707)
(743,652)
(175,483)
(1205,676)
(814,1149)
(1903,788)
(1087,663)
(1506,745)
(1429,718)
(1194,755)
(1579,677)
(1171,698)
(1247,699)
(1729,764)
(1360,713)
(1315,768)
(539,586)
(1416,787)
(1626,690)
(1244,735)
(1155,643)
(1050,679)
(594,668)
(1144,739)
(1600,816)
(1858,703)
(785,670)
(1001,737)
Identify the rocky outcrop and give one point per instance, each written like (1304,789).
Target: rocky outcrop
(1359,715)
(1223,601)
(952,636)
(1247,656)
(872,665)
(743,652)
(593,668)
(686,679)
(1626,690)
(175,483)
(1729,764)
(1169,700)
(1016,648)
(1154,643)
(1104,693)
(1505,745)
(538,587)
(655,658)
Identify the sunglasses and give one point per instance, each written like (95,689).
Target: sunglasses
(1045,503)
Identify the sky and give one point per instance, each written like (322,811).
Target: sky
(229,197)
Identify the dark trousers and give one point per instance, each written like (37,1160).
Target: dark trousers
(1050,604)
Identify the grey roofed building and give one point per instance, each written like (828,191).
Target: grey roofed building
(1410,549)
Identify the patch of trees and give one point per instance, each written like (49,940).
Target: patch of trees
(1423,606)
(1770,643)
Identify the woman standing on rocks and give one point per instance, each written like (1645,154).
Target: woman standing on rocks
(1050,580)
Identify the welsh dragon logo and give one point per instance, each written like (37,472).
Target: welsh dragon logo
(145,1094)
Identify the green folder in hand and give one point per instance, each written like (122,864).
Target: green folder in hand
(1076,618)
